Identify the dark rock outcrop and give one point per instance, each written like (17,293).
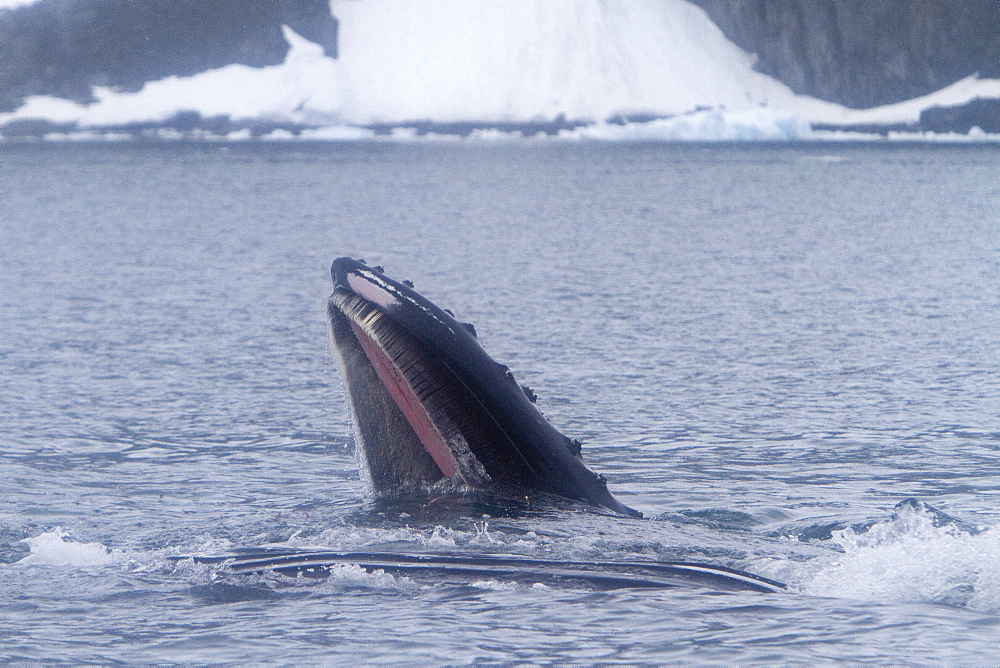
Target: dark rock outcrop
(865,53)
(64,47)
(982,114)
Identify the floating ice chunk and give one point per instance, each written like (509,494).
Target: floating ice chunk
(337,133)
(753,125)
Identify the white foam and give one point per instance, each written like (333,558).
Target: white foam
(496,585)
(352,575)
(907,559)
(56,548)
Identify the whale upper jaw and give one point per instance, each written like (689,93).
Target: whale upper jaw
(432,409)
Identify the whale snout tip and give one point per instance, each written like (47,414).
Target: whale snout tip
(341,268)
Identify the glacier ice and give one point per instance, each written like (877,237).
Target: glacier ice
(591,66)
(12,4)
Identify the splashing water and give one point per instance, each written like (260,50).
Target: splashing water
(919,555)
(58,548)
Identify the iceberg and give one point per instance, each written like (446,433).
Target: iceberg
(524,61)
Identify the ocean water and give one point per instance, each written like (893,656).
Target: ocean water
(765,348)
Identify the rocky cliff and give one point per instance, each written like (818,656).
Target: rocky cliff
(64,47)
(865,53)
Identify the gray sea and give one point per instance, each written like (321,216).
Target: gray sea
(765,348)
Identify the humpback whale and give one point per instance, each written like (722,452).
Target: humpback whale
(433,410)
(613,574)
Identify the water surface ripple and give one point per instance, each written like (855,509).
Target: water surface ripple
(759,346)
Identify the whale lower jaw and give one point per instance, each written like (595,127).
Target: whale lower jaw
(420,400)
(598,574)
(391,458)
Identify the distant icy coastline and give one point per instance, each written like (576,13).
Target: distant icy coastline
(613,70)
(12,4)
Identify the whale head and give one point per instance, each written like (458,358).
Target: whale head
(432,408)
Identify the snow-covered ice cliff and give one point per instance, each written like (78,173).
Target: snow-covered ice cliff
(586,66)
